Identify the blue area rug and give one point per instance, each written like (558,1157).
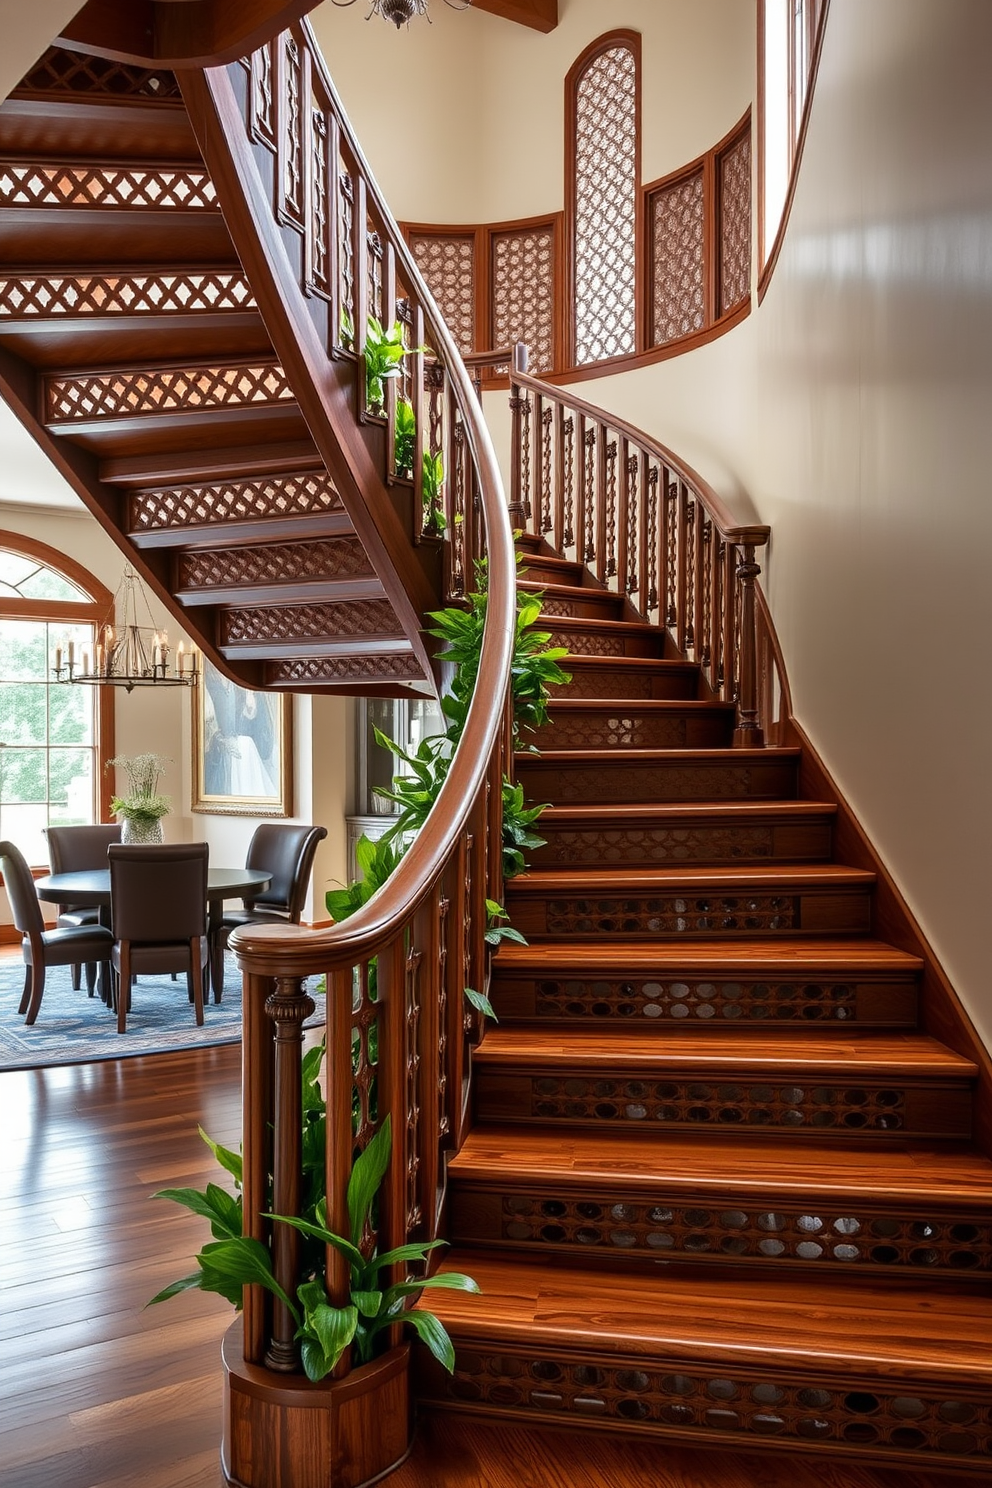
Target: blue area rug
(75,1029)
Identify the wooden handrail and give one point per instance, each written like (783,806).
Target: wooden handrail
(650,528)
(326,258)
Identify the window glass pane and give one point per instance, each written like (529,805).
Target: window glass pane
(26,825)
(23,775)
(23,712)
(70,785)
(36,580)
(23,650)
(71,715)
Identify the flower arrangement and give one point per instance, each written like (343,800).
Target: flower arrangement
(143,803)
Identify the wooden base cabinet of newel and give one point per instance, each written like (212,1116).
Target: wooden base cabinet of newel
(288,1432)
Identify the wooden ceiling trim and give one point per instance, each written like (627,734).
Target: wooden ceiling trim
(539,15)
(196,33)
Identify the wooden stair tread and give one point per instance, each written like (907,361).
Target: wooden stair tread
(901,1331)
(668,1162)
(566,705)
(731,879)
(808,957)
(781,1055)
(630,664)
(664,756)
(674,811)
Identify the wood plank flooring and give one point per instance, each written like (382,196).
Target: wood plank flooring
(95,1392)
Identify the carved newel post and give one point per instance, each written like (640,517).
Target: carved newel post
(748,734)
(288,1006)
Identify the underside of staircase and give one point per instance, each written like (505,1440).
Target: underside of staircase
(132,347)
(720,1184)
(724,1181)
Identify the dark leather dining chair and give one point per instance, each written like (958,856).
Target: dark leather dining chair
(41,948)
(158,912)
(71,850)
(286,852)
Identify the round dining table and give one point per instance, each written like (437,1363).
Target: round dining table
(90,888)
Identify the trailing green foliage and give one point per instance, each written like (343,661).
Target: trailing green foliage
(376,861)
(384,350)
(433,469)
(404,437)
(232,1261)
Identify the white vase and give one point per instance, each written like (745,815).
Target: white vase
(141,832)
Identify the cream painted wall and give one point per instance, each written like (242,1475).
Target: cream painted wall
(487,146)
(852,413)
(27,31)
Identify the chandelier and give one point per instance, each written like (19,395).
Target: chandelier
(401,12)
(125,652)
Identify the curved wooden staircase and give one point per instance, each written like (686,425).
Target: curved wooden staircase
(723,1173)
(720,1181)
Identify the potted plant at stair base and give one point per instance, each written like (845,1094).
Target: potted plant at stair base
(142,809)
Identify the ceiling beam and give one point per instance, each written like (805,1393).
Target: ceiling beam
(540,15)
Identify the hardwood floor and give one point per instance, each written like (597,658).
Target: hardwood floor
(96,1392)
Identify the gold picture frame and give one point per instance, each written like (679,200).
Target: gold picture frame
(242,749)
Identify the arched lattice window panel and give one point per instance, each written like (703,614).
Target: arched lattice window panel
(447,262)
(605,105)
(678,269)
(524,271)
(734,177)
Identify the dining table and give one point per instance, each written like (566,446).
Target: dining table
(90,888)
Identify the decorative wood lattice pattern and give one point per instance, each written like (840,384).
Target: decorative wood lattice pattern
(60,71)
(735,224)
(447,262)
(666,1228)
(678,301)
(674,915)
(870,1109)
(129,394)
(364,1053)
(298,494)
(659,844)
(605,206)
(661,1001)
(367,617)
(523,279)
(748,1403)
(116,187)
(281,563)
(636,782)
(402,667)
(35,295)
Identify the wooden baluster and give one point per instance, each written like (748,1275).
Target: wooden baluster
(417,382)
(426,937)
(288,1006)
(258,1063)
(728,642)
(456,882)
(716,613)
(581,493)
(698,557)
(602,488)
(393,387)
(561,538)
(335,212)
(338,1154)
(624,516)
(360,287)
(391,986)
(647,583)
(748,733)
(518,493)
(539,497)
(683,514)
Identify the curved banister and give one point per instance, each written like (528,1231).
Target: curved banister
(755,533)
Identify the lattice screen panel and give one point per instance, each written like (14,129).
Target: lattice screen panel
(605,206)
(447,262)
(677,259)
(60,71)
(523,280)
(735,224)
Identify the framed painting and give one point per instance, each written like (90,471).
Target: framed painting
(242,749)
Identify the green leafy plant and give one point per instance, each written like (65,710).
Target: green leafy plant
(517,835)
(347,329)
(433,469)
(232,1261)
(376,860)
(404,437)
(384,350)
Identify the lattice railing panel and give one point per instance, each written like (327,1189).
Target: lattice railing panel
(735,224)
(172,390)
(59,71)
(114,187)
(282,563)
(354,618)
(447,262)
(307,670)
(523,289)
(30,296)
(605,206)
(299,494)
(678,302)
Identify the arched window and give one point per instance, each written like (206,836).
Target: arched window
(603,104)
(53,737)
